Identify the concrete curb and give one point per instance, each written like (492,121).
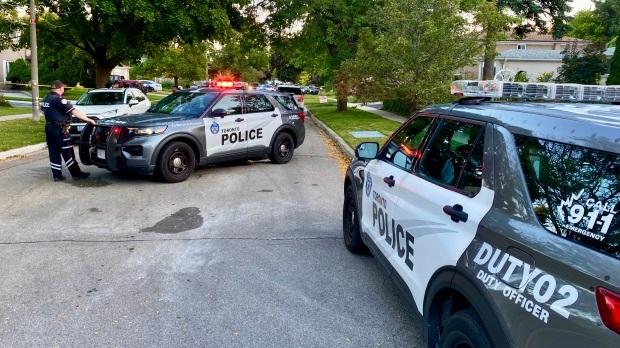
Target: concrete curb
(22,151)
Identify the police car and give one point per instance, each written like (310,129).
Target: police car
(498,221)
(196,127)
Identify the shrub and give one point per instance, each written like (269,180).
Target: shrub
(396,106)
(19,72)
(4,102)
(521,76)
(545,77)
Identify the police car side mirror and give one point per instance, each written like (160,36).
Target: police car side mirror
(366,150)
(219,113)
(133,102)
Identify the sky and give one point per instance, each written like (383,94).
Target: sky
(578,5)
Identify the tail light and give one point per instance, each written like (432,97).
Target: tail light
(609,308)
(302,116)
(301,98)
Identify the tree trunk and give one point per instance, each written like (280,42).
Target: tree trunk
(341,104)
(102,75)
(487,70)
(489,59)
(176,80)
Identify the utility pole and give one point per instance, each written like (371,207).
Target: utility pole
(34,65)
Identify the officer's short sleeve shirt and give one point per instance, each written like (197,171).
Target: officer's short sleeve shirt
(56,108)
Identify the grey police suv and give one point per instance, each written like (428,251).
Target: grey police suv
(497,221)
(196,127)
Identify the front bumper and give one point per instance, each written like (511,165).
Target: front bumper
(110,147)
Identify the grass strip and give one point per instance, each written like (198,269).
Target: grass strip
(19,133)
(14,110)
(355,120)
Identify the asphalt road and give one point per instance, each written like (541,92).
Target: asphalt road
(248,254)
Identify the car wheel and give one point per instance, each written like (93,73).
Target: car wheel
(283,148)
(464,329)
(150,89)
(176,162)
(350,223)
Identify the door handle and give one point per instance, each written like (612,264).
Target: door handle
(274,115)
(390,181)
(456,213)
(239,120)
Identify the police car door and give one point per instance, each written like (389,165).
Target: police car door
(263,119)
(383,185)
(448,180)
(226,135)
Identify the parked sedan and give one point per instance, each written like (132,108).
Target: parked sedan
(151,85)
(99,104)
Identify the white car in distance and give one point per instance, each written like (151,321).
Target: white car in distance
(151,85)
(103,103)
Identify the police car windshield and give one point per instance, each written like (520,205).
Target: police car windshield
(101,98)
(185,103)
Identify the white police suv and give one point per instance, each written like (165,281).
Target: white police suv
(497,220)
(196,127)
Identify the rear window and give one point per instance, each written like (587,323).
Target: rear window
(575,191)
(287,89)
(287,101)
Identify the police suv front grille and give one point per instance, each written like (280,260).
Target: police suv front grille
(100,135)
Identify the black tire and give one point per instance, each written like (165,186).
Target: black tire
(465,329)
(175,163)
(282,149)
(350,223)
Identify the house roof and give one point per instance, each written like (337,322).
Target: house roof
(532,54)
(542,54)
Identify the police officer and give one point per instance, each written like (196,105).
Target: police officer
(58,111)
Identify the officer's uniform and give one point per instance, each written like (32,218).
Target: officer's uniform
(57,111)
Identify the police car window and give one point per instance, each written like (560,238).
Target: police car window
(452,149)
(258,103)
(101,98)
(575,191)
(182,103)
(287,101)
(231,103)
(402,149)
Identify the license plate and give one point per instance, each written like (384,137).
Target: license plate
(79,128)
(101,153)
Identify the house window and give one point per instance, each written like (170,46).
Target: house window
(521,47)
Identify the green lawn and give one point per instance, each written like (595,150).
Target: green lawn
(355,120)
(22,132)
(14,110)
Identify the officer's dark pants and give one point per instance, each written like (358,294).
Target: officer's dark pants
(60,146)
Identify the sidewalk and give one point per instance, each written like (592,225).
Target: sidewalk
(369,107)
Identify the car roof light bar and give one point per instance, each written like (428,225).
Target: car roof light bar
(535,90)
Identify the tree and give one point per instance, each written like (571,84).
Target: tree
(242,56)
(614,72)
(112,31)
(414,52)
(186,62)
(19,71)
(316,35)
(533,15)
(582,66)
(587,26)
(608,11)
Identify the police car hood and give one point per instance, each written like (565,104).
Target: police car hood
(99,109)
(144,119)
